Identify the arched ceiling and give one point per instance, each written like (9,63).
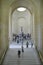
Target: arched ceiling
(29,4)
(24,14)
(21,19)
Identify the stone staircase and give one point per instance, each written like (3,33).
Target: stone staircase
(29,57)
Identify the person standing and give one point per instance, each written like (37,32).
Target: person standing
(27,44)
(19,53)
(22,49)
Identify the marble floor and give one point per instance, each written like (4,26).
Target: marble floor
(29,57)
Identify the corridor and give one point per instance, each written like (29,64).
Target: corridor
(21,21)
(28,57)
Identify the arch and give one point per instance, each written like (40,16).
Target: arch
(27,4)
(21,6)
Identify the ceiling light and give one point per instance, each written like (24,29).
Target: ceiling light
(21,9)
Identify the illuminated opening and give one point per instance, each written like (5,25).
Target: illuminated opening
(21,9)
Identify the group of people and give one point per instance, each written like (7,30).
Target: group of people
(17,37)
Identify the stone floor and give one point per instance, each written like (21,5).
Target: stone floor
(29,57)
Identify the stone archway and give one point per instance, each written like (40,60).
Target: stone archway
(17,4)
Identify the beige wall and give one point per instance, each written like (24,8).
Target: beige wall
(0,28)
(41,22)
(39,29)
(4,29)
(0,23)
